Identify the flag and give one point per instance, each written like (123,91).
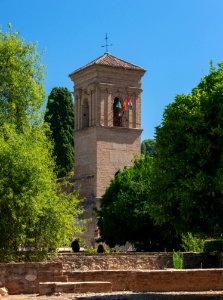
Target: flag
(118,104)
(129,101)
(124,104)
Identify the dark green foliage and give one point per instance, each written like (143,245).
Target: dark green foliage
(60,116)
(75,245)
(125,211)
(213,246)
(148,147)
(188,169)
(179,189)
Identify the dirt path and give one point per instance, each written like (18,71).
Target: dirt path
(36,297)
(123,295)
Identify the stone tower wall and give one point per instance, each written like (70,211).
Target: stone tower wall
(85,161)
(116,148)
(106,139)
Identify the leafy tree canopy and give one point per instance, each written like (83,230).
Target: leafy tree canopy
(188,169)
(34,211)
(148,147)
(60,116)
(125,211)
(35,214)
(21,80)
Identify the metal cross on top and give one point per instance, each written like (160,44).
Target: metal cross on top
(106,43)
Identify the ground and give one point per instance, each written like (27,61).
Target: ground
(208,295)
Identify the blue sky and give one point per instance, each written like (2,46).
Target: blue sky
(174,40)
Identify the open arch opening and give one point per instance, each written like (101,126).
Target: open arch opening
(85,114)
(117,113)
(120,116)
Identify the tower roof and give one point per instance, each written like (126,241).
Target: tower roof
(110,61)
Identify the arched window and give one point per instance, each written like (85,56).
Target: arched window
(85,114)
(117,112)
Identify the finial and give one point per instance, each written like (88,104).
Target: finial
(106,43)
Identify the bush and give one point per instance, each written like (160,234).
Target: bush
(213,246)
(178,260)
(91,250)
(192,243)
(36,215)
(100,249)
(75,246)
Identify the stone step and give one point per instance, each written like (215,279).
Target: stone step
(46,288)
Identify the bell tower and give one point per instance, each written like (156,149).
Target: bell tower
(107,94)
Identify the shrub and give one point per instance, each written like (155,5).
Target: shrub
(178,262)
(91,250)
(192,243)
(100,249)
(35,215)
(75,245)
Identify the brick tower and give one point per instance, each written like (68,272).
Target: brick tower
(107,95)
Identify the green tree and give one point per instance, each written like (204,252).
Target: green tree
(35,213)
(60,116)
(148,147)
(125,215)
(21,80)
(188,169)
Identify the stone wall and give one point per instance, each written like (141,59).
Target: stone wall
(134,261)
(156,280)
(103,146)
(99,153)
(116,148)
(20,279)
(126,271)
(116,261)
(25,277)
(85,162)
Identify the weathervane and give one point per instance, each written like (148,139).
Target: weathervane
(106,43)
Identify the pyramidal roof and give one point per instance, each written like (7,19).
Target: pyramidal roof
(110,61)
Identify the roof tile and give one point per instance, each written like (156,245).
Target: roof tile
(110,61)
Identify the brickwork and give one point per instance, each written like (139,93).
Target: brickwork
(116,261)
(85,161)
(102,148)
(116,148)
(75,287)
(24,278)
(126,272)
(156,280)
(137,260)
(100,153)
(102,145)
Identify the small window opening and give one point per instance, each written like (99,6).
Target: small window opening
(85,114)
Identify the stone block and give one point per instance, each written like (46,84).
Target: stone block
(3,291)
